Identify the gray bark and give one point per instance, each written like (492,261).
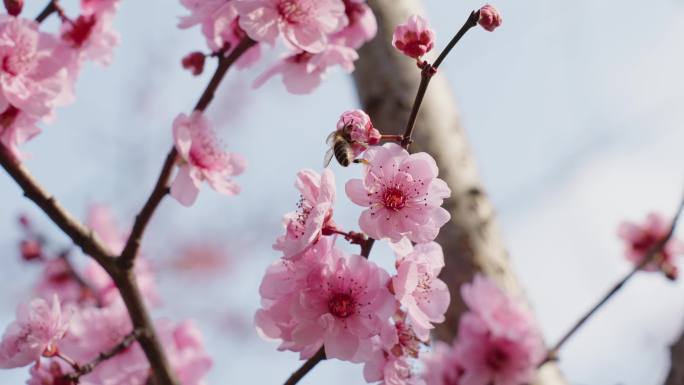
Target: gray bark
(676,375)
(386,83)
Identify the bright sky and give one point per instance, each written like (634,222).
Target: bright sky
(573,112)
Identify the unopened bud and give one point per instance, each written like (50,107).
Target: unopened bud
(31,249)
(194,61)
(14,7)
(490,18)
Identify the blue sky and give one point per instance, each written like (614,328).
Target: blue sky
(574,117)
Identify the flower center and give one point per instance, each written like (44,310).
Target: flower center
(393,198)
(341,305)
(80,30)
(206,153)
(497,359)
(295,11)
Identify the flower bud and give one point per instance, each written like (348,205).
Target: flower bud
(194,61)
(31,249)
(14,7)
(415,38)
(490,18)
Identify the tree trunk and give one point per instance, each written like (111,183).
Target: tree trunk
(386,83)
(676,376)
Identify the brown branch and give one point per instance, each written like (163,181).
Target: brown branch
(428,71)
(306,367)
(160,190)
(650,256)
(52,7)
(83,370)
(79,234)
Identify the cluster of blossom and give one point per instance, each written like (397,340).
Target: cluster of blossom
(498,342)
(39,69)
(317,296)
(641,238)
(317,35)
(78,314)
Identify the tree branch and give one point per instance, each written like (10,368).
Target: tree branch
(651,255)
(79,234)
(160,190)
(306,367)
(83,370)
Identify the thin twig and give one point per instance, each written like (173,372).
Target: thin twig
(306,367)
(650,256)
(160,190)
(85,286)
(49,9)
(428,71)
(83,370)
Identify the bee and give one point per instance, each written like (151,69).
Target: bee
(340,146)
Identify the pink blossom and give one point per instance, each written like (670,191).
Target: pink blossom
(17,128)
(490,18)
(304,227)
(390,369)
(207,13)
(280,289)
(498,341)
(357,126)
(31,249)
(303,24)
(416,286)
(58,279)
(32,77)
(38,327)
(91,34)
(415,38)
(403,195)
(101,220)
(303,71)
(194,61)
(640,238)
(362,25)
(185,348)
(441,366)
(342,306)
(202,159)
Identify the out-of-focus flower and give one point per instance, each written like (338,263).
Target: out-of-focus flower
(362,25)
(303,71)
(38,327)
(640,238)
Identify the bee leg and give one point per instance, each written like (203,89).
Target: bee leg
(362,161)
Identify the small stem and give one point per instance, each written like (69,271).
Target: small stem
(366,247)
(306,367)
(428,71)
(49,9)
(70,361)
(392,138)
(82,370)
(650,256)
(160,190)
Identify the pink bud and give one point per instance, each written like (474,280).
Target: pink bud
(415,38)
(24,221)
(490,18)
(31,249)
(14,6)
(194,61)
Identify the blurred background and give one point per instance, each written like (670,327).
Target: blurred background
(573,111)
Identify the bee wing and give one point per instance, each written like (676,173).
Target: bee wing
(330,140)
(328,157)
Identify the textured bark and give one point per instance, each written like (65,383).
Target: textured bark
(386,83)
(676,376)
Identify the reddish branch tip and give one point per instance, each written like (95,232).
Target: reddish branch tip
(14,7)
(490,18)
(194,62)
